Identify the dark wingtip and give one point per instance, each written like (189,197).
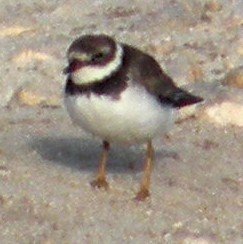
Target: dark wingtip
(187,99)
(180,98)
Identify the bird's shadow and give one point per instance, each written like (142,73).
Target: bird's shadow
(84,154)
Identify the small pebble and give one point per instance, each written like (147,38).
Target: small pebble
(196,240)
(226,113)
(4,171)
(235,78)
(32,99)
(28,56)
(213,6)
(14,31)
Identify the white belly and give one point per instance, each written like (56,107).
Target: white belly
(135,118)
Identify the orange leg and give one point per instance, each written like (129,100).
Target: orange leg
(100,181)
(145,185)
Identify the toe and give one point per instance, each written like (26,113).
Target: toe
(100,183)
(142,195)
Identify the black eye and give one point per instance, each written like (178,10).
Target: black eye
(97,57)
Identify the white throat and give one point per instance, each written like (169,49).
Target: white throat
(96,73)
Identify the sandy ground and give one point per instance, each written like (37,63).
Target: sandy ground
(46,163)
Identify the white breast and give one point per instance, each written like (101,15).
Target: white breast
(134,118)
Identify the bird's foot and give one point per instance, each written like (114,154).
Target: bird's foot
(100,183)
(142,194)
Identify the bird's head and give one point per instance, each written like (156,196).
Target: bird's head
(92,58)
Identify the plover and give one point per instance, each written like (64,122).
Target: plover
(121,95)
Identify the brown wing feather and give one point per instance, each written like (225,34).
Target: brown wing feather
(147,71)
